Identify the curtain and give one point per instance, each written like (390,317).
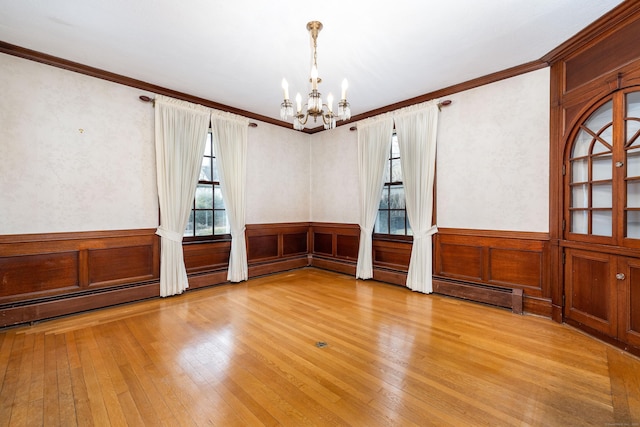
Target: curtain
(374,145)
(180,134)
(416,129)
(230,144)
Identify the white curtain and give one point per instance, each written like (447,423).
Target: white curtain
(230,142)
(416,129)
(181,134)
(374,145)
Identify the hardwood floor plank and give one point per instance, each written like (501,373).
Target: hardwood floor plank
(50,405)
(245,355)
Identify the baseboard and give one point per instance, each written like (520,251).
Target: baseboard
(46,308)
(492,295)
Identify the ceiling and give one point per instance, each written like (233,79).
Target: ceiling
(236,52)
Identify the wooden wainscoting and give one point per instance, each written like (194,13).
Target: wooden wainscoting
(277,247)
(334,246)
(206,262)
(502,260)
(391,260)
(46,275)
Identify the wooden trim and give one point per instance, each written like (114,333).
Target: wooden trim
(76,67)
(606,24)
(518,235)
(470,84)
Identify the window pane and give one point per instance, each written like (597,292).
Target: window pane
(221,223)
(579,196)
(395,148)
(599,147)
(580,222)
(396,172)
(397,222)
(601,196)
(188,232)
(579,170)
(205,169)
(384,200)
(382,223)
(204,196)
(633,224)
(396,197)
(601,117)
(204,223)
(581,144)
(633,111)
(633,162)
(633,194)
(215,176)
(218,202)
(602,167)
(601,223)
(386,173)
(208,146)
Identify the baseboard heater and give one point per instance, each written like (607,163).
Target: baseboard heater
(510,298)
(36,309)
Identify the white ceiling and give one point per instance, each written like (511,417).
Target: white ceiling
(236,52)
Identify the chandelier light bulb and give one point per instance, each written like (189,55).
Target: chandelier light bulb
(285,88)
(330,102)
(345,85)
(298,102)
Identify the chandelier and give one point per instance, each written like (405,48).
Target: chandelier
(314,106)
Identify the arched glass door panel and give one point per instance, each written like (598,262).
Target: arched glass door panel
(632,152)
(591,176)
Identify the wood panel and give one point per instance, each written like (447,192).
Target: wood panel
(347,246)
(120,265)
(35,275)
(589,294)
(295,243)
(206,256)
(604,56)
(391,254)
(323,243)
(461,261)
(515,268)
(261,247)
(629,301)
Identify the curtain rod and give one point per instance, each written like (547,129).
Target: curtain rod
(441,104)
(145,98)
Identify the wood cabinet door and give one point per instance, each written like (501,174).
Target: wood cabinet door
(629,301)
(590,290)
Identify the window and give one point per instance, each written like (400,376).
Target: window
(208,217)
(392,214)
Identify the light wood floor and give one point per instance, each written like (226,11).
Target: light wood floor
(246,355)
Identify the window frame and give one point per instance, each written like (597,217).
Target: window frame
(215,184)
(387,186)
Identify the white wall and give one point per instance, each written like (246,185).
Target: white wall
(334,176)
(76,153)
(277,175)
(493,156)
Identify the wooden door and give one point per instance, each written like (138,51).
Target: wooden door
(629,301)
(591,290)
